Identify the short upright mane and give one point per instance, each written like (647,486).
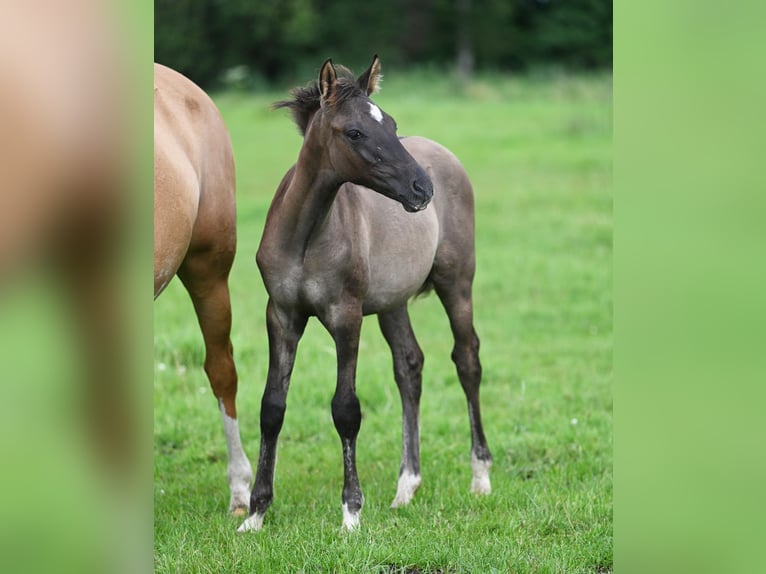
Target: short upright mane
(306,101)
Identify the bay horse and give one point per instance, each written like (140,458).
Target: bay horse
(338,245)
(195,237)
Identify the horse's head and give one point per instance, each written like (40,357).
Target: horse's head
(358,140)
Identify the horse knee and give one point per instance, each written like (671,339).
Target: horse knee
(272,415)
(466,359)
(409,370)
(346,414)
(414,360)
(469,370)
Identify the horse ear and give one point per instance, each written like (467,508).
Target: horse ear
(369,82)
(327,79)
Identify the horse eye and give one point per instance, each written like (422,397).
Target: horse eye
(354,135)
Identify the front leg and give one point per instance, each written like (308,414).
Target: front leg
(345,324)
(285,329)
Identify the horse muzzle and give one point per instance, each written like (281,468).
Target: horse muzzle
(411,208)
(421,192)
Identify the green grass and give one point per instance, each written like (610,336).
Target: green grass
(538,150)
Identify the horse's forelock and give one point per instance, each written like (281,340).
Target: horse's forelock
(306,101)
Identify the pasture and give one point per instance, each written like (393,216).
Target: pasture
(538,151)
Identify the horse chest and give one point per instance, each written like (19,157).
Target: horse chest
(332,271)
(307,284)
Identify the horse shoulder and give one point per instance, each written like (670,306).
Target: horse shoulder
(339,247)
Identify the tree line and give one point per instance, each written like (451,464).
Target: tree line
(275,40)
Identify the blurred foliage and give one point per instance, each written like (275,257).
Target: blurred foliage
(267,41)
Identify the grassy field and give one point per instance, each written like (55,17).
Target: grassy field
(538,150)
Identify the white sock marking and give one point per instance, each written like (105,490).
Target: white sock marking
(239,471)
(480,468)
(408,484)
(252,523)
(350,519)
(376,113)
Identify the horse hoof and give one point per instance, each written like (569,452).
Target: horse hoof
(350,519)
(405,491)
(480,470)
(252,523)
(481,486)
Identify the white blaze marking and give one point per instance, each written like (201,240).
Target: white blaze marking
(376,113)
(350,519)
(408,484)
(239,471)
(480,468)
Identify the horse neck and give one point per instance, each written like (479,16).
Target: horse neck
(305,204)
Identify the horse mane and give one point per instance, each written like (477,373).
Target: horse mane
(306,101)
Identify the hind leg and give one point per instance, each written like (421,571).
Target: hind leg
(205,276)
(408,366)
(455,295)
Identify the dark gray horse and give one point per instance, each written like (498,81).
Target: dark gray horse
(338,246)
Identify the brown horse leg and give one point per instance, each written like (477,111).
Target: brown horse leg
(285,330)
(344,322)
(205,277)
(455,295)
(408,366)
